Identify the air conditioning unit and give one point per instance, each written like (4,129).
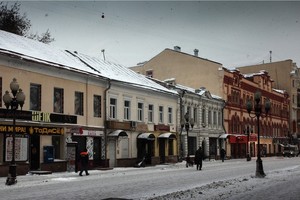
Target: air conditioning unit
(133,124)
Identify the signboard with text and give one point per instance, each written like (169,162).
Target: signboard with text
(39,116)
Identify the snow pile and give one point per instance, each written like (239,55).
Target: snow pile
(247,187)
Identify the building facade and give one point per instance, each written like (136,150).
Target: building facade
(193,71)
(200,120)
(61,106)
(286,77)
(242,135)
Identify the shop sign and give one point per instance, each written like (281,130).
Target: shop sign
(89,133)
(39,116)
(32,130)
(161,127)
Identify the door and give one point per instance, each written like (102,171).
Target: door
(97,151)
(162,150)
(34,152)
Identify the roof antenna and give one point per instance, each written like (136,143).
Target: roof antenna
(270,56)
(103,50)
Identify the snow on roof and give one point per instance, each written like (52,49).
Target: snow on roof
(121,73)
(47,54)
(279,91)
(39,52)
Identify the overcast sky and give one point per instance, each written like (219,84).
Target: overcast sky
(231,33)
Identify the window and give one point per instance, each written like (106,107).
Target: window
(56,144)
(203,116)
(219,119)
(140,112)
(58,100)
(113,108)
(149,73)
(209,117)
(78,103)
(215,118)
(97,106)
(161,114)
(127,110)
(150,113)
(35,97)
(195,116)
(170,115)
(192,145)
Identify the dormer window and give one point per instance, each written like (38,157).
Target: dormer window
(149,73)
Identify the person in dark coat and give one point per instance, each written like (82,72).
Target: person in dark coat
(84,161)
(199,158)
(223,154)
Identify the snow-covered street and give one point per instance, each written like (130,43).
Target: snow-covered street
(233,179)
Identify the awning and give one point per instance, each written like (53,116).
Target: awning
(146,136)
(223,136)
(167,136)
(118,133)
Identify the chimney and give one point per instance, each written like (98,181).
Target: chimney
(196,51)
(177,48)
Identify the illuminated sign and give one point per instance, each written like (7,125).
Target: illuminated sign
(32,130)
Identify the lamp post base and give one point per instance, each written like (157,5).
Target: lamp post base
(259,169)
(12,175)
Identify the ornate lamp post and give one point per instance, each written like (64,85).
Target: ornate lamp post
(13,102)
(247,132)
(257,114)
(188,123)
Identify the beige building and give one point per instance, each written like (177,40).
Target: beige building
(286,77)
(63,105)
(198,72)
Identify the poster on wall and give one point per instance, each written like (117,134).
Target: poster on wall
(21,149)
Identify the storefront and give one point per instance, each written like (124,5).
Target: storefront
(91,139)
(39,141)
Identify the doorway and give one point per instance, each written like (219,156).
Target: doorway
(34,152)
(162,150)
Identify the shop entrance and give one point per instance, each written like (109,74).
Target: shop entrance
(34,152)
(162,150)
(97,150)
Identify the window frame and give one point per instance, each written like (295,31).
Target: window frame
(78,110)
(38,90)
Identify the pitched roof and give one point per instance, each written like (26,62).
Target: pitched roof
(24,48)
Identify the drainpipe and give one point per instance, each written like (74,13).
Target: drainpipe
(105,118)
(181,94)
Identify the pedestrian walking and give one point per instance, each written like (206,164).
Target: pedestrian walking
(84,161)
(223,154)
(199,158)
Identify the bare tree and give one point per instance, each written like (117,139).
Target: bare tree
(12,21)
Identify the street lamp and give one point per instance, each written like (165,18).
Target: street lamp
(247,132)
(188,123)
(257,114)
(13,102)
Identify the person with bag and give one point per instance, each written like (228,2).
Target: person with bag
(199,158)
(84,161)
